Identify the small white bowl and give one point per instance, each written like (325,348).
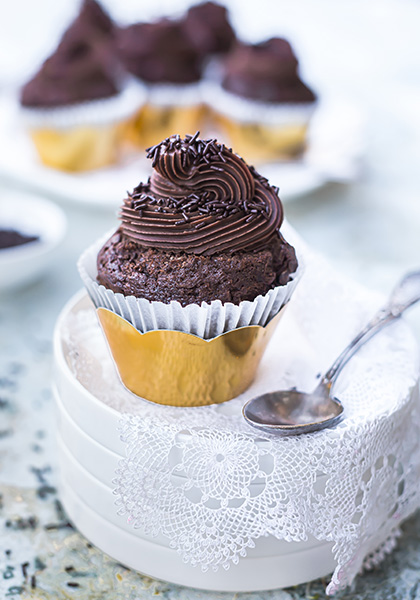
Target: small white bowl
(29,215)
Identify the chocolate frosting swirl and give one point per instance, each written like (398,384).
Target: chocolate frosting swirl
(159,52)
(267,71)
(201,199)
(94,20)
(81,68)
(208,27)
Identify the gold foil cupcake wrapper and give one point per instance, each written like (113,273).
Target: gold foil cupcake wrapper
(153,123)
(79,148)
(170,109)
(180,369)
(87,135)
(259,131)
(258,142)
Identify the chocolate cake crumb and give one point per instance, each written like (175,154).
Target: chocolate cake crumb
(126,267)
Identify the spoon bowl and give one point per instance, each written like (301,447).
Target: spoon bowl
(292,413)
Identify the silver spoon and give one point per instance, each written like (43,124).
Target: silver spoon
(292,412)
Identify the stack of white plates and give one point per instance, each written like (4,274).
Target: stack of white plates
(89,452)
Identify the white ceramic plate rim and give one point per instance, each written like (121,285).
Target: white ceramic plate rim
(61,362)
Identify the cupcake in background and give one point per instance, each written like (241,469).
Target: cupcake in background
(161,56)
(81,68)
(198,252)
(77,104)
(208,27)
(260,101)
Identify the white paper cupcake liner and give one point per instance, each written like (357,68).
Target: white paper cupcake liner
(94,112)
(167,95)
(255,111)
(207,320)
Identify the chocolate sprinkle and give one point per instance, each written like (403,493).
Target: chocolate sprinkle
(24,567)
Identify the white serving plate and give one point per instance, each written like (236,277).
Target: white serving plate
(82,406)
(335,148)
(96,459)
(30,215)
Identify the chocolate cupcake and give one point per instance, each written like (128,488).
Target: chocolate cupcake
(206,227)
(261,102)
(203,229)
(161,56)
(207,26)
(78,101)
(198,254)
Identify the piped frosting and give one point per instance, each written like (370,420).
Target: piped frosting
(81,68)
(267,71)
(207,25)
(202,198)
(159,52)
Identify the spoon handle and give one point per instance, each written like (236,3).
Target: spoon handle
(404,295)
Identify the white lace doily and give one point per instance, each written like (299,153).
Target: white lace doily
(213,485)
